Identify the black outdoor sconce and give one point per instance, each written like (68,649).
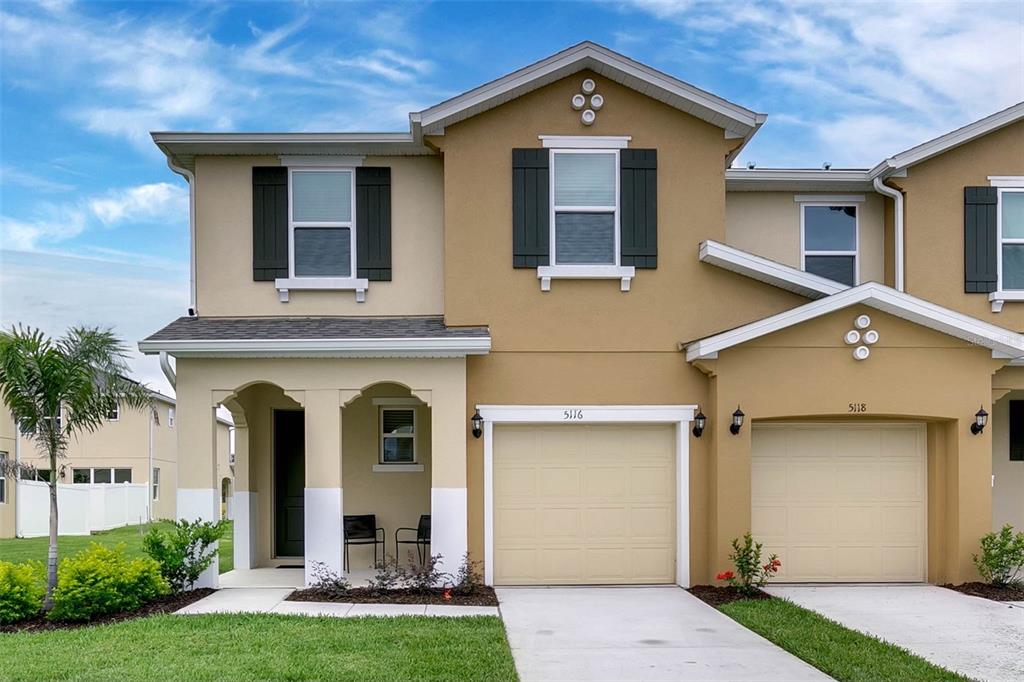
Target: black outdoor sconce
(699,421)
(980,420)
(737,421)
(478,424)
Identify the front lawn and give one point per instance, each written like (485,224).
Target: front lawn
(846,655)
(265,647)
(24,549)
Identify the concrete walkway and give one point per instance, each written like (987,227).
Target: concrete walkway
(977,637)
(268,600)
(635,633)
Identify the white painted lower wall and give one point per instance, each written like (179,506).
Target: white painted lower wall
(81,508)
(324,530)
(449,534)
(202,504)
(244,509)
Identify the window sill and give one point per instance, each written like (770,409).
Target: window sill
(356,284)
(624,274)
(396,468)
(998,298)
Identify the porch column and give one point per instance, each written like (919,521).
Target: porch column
(323,503)
(198,496)
(244,502)
(448,500)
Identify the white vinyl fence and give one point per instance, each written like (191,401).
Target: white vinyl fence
(81,507)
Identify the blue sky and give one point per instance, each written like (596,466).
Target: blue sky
(93,226)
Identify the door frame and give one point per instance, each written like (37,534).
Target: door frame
(570,414)
(274,556)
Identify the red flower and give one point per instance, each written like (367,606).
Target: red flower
(447,594)
(725,575)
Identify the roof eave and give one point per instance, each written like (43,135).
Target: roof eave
(320,348)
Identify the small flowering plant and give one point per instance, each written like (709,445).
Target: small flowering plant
(750,573)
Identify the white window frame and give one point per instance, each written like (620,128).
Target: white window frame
(804,252)
(155,488)
(576,271)
(3,477)
(117,414)
(381,436)
(1009,240)
(350,283)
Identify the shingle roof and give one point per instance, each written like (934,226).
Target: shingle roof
(309,328)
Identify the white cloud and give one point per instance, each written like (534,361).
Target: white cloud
(10,175)
(390,65)
(54,224)
(160,200)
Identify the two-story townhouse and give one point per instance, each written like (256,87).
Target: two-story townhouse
(132,446)
(554,318)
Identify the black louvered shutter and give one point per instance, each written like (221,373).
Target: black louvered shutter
(980,239)
(373,223)
(269,223)
(530,208)
(638,203)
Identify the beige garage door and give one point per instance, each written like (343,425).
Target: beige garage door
(841,503)
(584,504)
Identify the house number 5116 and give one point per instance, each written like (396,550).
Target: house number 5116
(572,415)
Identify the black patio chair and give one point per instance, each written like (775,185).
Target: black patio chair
(422,539)
(361,529)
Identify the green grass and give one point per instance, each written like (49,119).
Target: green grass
(265,647)
(23,549)
(844,654)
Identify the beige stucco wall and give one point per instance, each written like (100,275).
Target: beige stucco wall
(935,221)
(913,374)
(768,224)
(224,244)
(1008,477)
(7,445)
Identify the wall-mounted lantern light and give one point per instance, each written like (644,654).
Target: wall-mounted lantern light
(980,420)
(478,424)
(699,421)
(737,421)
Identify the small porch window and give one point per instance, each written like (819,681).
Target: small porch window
(397,435)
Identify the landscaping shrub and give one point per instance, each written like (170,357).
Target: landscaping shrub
(1002,557)
(427,576)
(750,573)
(467,579)
(388,576)
(22,588)
(100,580)
(184,552)
(327,580)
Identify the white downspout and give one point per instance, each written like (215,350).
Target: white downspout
(897,198)
(17,480)
(165,366)
(149,488)
(190,178)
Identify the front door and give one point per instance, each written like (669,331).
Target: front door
(289,483)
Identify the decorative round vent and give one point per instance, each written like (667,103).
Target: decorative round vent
(579,101)
(867,337)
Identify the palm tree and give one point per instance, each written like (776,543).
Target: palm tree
(83,375)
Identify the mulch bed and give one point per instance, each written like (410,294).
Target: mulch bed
(720,596)
(167,604)
(484,596)
(993,592)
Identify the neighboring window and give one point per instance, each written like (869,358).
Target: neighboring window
(122,475)
(114,413)
(156,483)
(1017,430)
(170,417)
(81,476)
(39,475)
(1010,214)
(398,435)
(321,225)
(101,475)
(585,207)
(829,241)
(3,478)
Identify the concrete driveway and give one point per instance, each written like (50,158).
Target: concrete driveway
(977,637)
(635,633)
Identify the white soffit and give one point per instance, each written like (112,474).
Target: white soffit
(797,180)
(321,348)
(768,271)
(1004,343)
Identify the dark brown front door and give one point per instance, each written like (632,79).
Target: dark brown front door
(289,483)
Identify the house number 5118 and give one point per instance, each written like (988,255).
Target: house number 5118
(572,415)
(857,407)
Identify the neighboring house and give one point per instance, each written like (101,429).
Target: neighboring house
(567,252)
(133,447)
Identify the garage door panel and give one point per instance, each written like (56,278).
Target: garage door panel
(562,564)
(556,523)
(656,481)
(516,482)
(560,482)
(841,502)
(652,522)
(605,481)
(606,523)
(514,524)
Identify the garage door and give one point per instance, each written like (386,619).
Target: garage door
(841,503)
(584,505)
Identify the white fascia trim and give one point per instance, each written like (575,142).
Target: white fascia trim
(827,198)
(797,174)
(587,414)
(927,150)
(170,137)
(319,161)
(328,348)
(1006,180)
(584,141)
(1002,342)
(434,119)
(623,273)
(768,271)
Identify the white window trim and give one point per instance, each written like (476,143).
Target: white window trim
(154,489)
(3,477)
(585,141)
(411,436)
(679,415)
(1006,180)
(856,234)
(350,283)
(1000,296)
(117,411)
(170,417)
(556,270)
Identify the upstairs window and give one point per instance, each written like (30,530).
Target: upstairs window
(829,241)
(585,207)
(114,413)
(3,478)
(1010,218)
(170,417)
(321,226)
(397,435)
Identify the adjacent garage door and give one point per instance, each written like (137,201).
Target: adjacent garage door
(841,503)
(584,505)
